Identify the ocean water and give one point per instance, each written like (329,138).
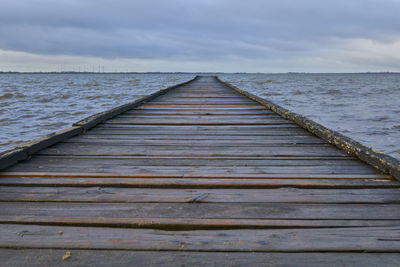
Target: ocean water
(364,107)
(32,105)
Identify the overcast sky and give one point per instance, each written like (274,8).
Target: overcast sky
(208,35)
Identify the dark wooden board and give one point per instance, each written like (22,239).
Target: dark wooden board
(290,127)
(203,103)
(204,107)
(143,195)
(197,121)
(174,224)
(192,112)
(190,162)
(233,157)
(179,171)
(192,123)
(200,183)
(243,130)
(179,140)
(201,142)
(355,239)
(89,149)
(233,138)
(256,211)
(179,224)
(117,258)
(225,117)
(216,134)
(192,169)
(308,176)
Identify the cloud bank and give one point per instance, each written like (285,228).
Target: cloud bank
(272,36)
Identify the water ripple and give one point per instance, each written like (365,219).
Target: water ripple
(32,105)
(364,107)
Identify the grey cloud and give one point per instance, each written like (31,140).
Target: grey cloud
(191,29)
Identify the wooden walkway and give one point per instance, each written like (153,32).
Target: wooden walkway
(199,175)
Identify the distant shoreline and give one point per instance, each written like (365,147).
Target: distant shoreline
(89,72)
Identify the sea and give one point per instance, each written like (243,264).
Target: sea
(364,107)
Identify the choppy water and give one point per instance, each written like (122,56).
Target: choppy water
(32,105)
(364,107)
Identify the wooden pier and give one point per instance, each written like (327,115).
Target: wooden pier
(199,175)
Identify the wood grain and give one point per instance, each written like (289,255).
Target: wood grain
(100,258)
(363,239)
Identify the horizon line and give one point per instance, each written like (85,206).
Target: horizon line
(183,72)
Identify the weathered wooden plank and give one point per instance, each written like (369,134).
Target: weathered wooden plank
(205,116)
(189,122)
(88,149)
(211,128)
(193,162)
(53,257)
(170,100)
(144,130)
(190,210)
(364,239)
(187,143)
(204,107)
(204,103)
(193,169)
(263,130)
(196,134)
(183,94)
(175,96)
(126,133)
(178,96)
(196,120)
(200,183)
(108,133)
(188,223)
(177,111)
(146,195)
(190,92)
(197,140)
(233,157)
(199,175)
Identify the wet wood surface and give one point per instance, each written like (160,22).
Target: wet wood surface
(200,175)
